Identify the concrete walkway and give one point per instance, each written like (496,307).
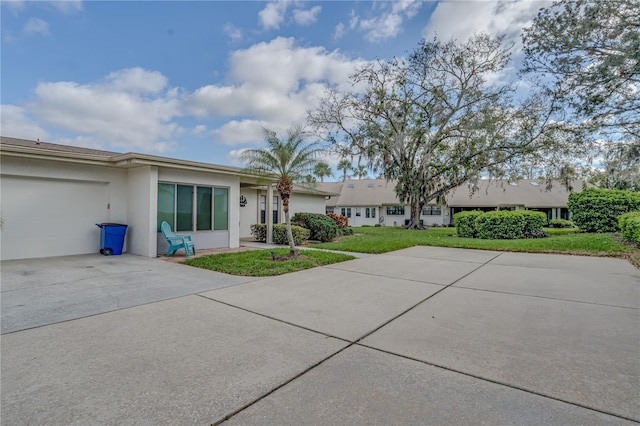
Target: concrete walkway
(419,336)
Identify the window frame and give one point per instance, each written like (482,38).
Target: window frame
(396,210)
(194,204)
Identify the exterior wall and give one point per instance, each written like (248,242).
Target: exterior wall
(206,239)
(50,208)
(249,214)
(306,203)
(142,207)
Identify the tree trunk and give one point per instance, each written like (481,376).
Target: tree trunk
(293,251)
(414,222)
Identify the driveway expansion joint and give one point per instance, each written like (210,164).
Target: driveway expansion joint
(500,383)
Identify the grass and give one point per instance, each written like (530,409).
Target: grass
(566,241)
(259,263)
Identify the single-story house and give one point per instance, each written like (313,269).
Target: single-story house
(52,196)
(373,201)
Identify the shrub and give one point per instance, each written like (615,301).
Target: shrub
(630,226)
(561,223)
(533,221)
(597,210)
(465,223)
(345,231)
(300,234)
(322,227)
(499,225)
(341,221)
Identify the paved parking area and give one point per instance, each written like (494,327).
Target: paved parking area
(419,336)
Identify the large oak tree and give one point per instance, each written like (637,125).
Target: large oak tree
(435,119)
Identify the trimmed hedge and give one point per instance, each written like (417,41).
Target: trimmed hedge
(345,231)
(630,226)
(322,227)
(341,221)
(561,223)
(465,223)
(300,234)
(500,225)
(597,210)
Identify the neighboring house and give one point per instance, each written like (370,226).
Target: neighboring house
(53,195)
(373,201)
(524,194)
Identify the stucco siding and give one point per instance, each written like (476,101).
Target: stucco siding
(306,203)
(50,208)
(142,192)
(249,214)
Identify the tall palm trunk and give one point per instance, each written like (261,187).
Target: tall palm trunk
(293,251)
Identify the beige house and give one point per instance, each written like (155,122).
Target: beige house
(373,201)
(52,196)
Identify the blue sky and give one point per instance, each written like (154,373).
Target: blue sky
(197,80)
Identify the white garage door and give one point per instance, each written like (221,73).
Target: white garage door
(43,217)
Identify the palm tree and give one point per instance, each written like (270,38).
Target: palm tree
(289,160)
(322,170)
(345,166)
(361,171)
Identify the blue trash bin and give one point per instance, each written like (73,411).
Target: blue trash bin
(111,238)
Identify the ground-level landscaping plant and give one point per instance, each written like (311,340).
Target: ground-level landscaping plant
(597,210)
(322,227)
(561,223)
(499,225)
(630,226)
(300,234)
(260,263)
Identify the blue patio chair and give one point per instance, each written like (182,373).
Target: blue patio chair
(177,242)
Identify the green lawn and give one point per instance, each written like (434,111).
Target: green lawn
(259,263)
(568,241)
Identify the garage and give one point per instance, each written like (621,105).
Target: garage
(51,217)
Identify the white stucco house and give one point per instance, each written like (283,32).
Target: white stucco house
(52,196)
(373,201)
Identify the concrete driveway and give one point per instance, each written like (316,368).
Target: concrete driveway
(419,336)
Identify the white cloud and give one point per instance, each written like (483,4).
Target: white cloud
(36,26)
(460,20)
(14,5)
(16,123)
(233,32)
(68,6)
(113,112)
(239,132)
(136,80)
(306,17)
(389,23)
(235,156)
(199,129)
(273,14)
(272,84)
(339,32)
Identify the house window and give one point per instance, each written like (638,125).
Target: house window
(358,212)
(373,212)
(184,208)
(395,210)
(263,209)
(431,211)
(187,206)
(345,211)
(221,209)
(204,208)
(329,210)
(166,204)
(367,212)
(276,205)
